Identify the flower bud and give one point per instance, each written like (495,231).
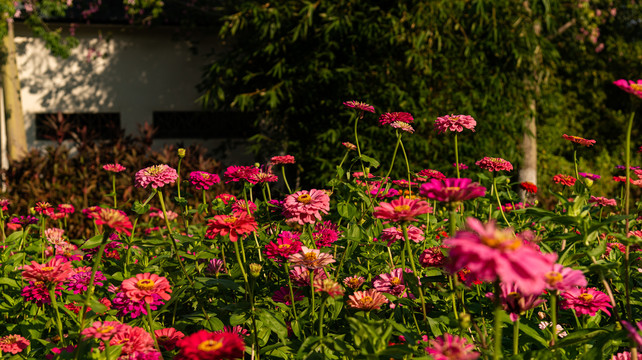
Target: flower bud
(464,320)
(255,269)
(181,153)
(588,182)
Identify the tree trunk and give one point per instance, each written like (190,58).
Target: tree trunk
(528,169)
(16,134)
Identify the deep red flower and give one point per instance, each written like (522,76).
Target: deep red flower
(389,118)
(528,187)
(494,164)
(232,225)
(565,180)
(204,345)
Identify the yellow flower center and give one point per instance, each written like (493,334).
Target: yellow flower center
(145,284)
(401,208)
(205,176)
(367,300)
(586,297)
(502,240)
(304,198)
(453,188)
(353,282)
(162,338)
(154,170)
(105,329)
(553,277)
(636,87)
(395,281)
(284,246)
(48,268)
(230,219)
(311,256)
(210,345)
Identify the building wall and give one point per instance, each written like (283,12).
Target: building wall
(131,70)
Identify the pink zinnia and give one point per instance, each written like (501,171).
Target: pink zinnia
(134,340)
(455,123)
(579,140)
(311,258)
(400,125)
(462,166)
(389,118)
(586,301)
(241,173)
(328,286)
(54,236)
(515,302)
(491,253)
(117,220)
(13,343)
(427,174)
(38,293)
(449,347)
(563,278)
(590,176)
(305,207)
(232,225)
(204,345)
(66,208)
(301,275)
(282,160)
(367,300)
(168,337)
(391,283)
(349,146)
(401,209)
(433,257)
(325,234)
(101,330)
(287,243)
(359,106)
(494,164)
(602,201)
(202,180)
(353,282)
(142,286)
(634,332)
(283,296)
(242,206)
(630,86)
(394,234)
(452,190)
(115,168)
(157,176)
(565,180)
(54,271)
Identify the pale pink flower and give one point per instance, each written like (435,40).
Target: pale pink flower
(563,278)
(13,343)
(353,282)
(366,300)
(157,176)
(494,164)
(310,258)
(455,123)
(54,236)
(394,234)
(328,286)
(300,275)
(401,209)
(142,286)
(449,347)
(134,340)
(305,207)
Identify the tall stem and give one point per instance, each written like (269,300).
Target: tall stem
(150,322)
(456,156)
(516,337)
(626,207)
(405,156)
(54,304)
(501,209)
(287,274)
(113,189)
(404,228)
(497,353)
(356,140)
(285,179)
(392,163)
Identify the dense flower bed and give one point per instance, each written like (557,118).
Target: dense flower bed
(368,267)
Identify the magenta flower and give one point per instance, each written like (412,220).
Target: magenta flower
(452,190)
(454,123)
(394,234)
(300,275)
(325,234)
(579,140)
(38,293)
(590,176)
(115,168)
(401,209)
(449,347)
(389,118)
(283,296)
(491,253)
(241,173)
(157,176)
(391,283)
(359,106)
(134,308)
(305,207)
(634,333)
(585,301)
(101,330)
(462,166)
(630,86)
(494,164)
(287,243)
(433,257)
(202,180)
(602,201)
(427,174)
(79,281)
(515,302)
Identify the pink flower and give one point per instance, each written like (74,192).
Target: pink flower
(13,343)
(54,236)
(101,330)
(454,123)
(491,253)
(282,160)
(515,302)
(54,271)
(287,243)
(241,206)
(602,201)
(283,296)
(311,258)
(452,190)
(400,125)
(391,283)
(389,118)
(462,166)
(133,308)
(630,86)
(427,174)
(115,168)
(168,337)
(563,278)
(142,286)
(359,106)
(328,286)
(202,180)
(233,225)
(66,208)
(579,140)
(79,280)
(394,234)
(585,301)
(590,176)
(353,282)
(264,175)
(565,180)
(134,339)
(305,207)
(351,146)
(204,345)
(433,257)
(325,234)
(401,209)
(624,355)
(117,220)
(157,176)
(449,347)
(494,164)
(241,173)
(300,275)
(38,293)
(367,300)
(634,333)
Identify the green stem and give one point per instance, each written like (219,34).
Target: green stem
(497,353)
(392,163)
(150,322)
(404,228)
(501,209)
(356,140)
(178,180)
(553,310)
(456,156)
(113,189)
(577,174)
(54,304)
(205,202)
(405,156)
(285,179)
(626,206)
(321,313)
(241,264)
(312,311)
(516,337)
(287,274)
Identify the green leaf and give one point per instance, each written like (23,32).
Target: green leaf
(373,163)
(139,209)
(9,282)
(92,242)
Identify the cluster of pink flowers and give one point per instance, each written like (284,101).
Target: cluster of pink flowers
(394,234)
(13,344)
(455,123)
(494,164)
(305,207)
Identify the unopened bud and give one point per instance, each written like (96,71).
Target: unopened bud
(588,183)
(181,153)
(464,320)
(255,269)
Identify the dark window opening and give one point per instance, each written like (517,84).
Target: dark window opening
(59,126)
(202,125)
